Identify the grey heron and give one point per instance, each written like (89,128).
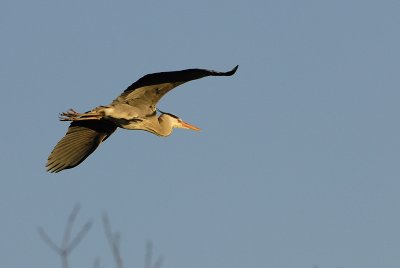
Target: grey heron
(135,109)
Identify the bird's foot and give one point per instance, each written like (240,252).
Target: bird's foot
(72,115)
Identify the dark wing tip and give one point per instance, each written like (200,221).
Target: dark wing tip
(228,73)
(233,71)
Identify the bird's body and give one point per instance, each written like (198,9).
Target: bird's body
(134,109)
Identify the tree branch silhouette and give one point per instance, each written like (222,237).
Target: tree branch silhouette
(67,246)
(148,259)
(69,242)
(113,240)
(96,263)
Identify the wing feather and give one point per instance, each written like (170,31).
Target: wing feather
(81,139)
(149,89)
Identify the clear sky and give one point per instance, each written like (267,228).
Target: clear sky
(297,163)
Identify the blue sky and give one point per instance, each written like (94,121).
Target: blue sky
(297,161)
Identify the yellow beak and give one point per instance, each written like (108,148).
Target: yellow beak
(189,126)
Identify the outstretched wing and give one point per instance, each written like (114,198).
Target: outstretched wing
(149,89)
(82,138)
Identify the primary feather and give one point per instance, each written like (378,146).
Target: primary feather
(135,108)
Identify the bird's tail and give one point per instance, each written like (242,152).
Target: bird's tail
(81,139)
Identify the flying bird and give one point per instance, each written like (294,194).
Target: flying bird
(134,109)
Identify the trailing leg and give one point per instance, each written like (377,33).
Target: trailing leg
(72,115)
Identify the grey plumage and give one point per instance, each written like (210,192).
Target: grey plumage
(134,109)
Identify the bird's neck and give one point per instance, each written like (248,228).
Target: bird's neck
(160,126)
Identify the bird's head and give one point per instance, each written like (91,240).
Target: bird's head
(176,122)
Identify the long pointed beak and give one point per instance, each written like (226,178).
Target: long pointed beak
(189,126)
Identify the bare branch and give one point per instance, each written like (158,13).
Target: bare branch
(158,262)
(108,231)
(68,227)
(66,246)
(96,263)
(148,261)
(113,240)
(48,241)
(79,236)
(64,260)
(148,255)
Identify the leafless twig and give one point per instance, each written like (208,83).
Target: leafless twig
(67,246)
(113,240)
(148,260)
(96,263)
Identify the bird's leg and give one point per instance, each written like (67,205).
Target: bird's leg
(72,115)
